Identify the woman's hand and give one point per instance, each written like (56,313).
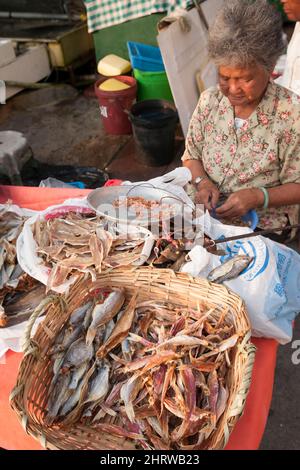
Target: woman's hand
(207,194)
(240,202)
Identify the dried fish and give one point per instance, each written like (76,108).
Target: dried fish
(151,371)
(73,400)
(230,269)
(71,334)
(121,329)
(18,306)
(104,312)
(76,241)
(77,375)
(128,393)
(78,315)
(78,353)
(58,396)
(98,388)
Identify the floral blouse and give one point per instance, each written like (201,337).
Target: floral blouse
(265,151)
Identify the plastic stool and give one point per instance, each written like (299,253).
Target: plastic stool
(14,152)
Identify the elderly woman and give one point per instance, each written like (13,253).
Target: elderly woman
(244,136)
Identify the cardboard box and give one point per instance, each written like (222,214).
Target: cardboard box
(7,52)
(185,57)
(186,62)
(30,67)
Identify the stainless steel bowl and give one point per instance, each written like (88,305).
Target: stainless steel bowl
(102,201)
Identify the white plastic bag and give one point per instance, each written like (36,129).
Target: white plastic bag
(270,286)
(22,212)
(11,338)
(173,182)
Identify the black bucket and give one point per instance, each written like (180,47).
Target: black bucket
(154,124)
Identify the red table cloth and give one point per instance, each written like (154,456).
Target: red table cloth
(247,433)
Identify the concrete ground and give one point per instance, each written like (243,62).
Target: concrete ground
(64,127)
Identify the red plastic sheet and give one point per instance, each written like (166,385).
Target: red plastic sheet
(247,433)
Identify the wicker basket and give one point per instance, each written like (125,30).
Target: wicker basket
(29,396)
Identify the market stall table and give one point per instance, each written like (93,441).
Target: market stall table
(247,433)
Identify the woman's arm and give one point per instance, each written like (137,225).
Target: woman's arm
(240,202)
(286,194)
(196,168)
(207,191)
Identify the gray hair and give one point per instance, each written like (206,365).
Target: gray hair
(246,32)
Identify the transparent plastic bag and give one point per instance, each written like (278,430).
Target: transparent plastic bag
(55,183)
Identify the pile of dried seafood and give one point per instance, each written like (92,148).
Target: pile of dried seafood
(168,253)
(147,370)
(15,285)
(142,208)
(77,242)
(110,369)
(10,227)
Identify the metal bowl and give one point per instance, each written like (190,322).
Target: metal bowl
(102,200)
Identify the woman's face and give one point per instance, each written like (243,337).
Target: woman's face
(292,9)
(243,86)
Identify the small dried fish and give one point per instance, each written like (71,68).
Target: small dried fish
(104,312)
(128,393)
(121,329)
(213,386)
(79,314)
(73,400)
(18,306)
(59,359)
(78,353)
(77,375)
(71,334)
(98,388)
(230,269)
(58,396)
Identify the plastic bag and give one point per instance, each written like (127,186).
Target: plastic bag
(270,286)
(173,182)
(55,183)
(11,338)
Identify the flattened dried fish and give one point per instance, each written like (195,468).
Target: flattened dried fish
(230,269)
(18,306)
(128,393)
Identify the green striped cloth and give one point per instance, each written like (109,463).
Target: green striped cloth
(104,13)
